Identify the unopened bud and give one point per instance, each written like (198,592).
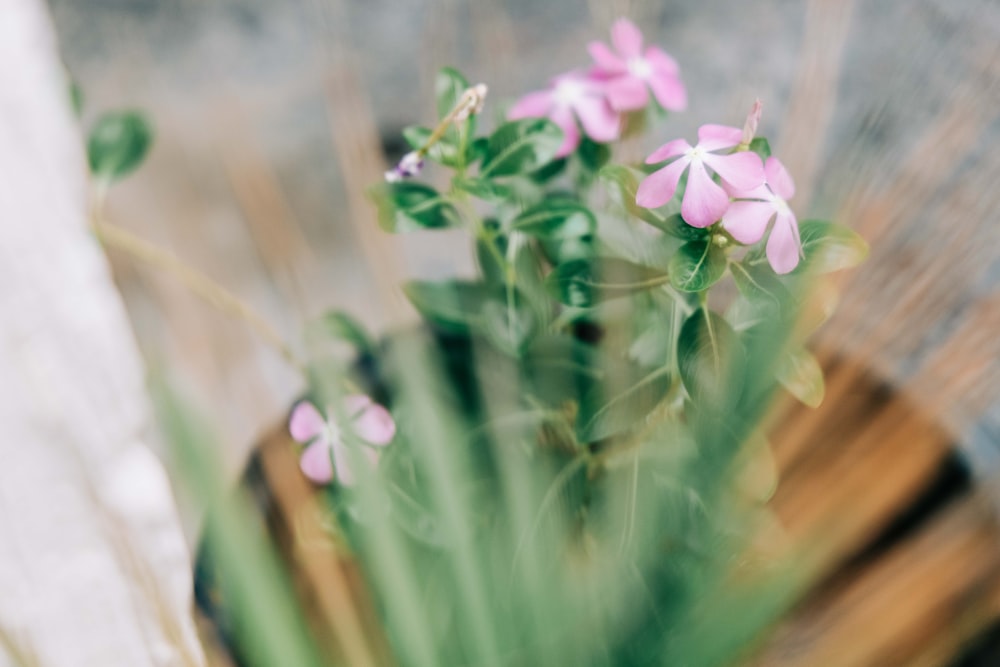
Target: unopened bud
(750,127)
(472,102)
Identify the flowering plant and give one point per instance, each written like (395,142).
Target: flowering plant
(562,465)
(574,436)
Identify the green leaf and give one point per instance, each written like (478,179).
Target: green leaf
(510,326)
(452,306)
(656,329)
(443,151)
(492,261)
(711,359)
(629,409)
(582,283)
(761,147)
(117,144)
(676,227)
(696,266)
(799,372)
(593,155)
(764,291)
(828,246)
(483,188)
(549,171)
(407,206)
(556,219)
(521,146)
(338,324)
(622,183)
(448,88)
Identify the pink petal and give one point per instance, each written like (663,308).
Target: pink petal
(599,120)
(743,171)
(662,62)
(704,201)
(669,92)
(784,246)
(532,105)
(779,179)
(716,137)
(659,187)
(375,425)
(626,38)
(342,459)
(563,117)
(355,403)
(306,422)
(668,150)
(627,93)
(606,59)
(747,220)
(315,463)
(759,192)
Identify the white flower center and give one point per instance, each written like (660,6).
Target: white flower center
(781,206)
(640,68)
(696,153)
(568,92)
(331,431)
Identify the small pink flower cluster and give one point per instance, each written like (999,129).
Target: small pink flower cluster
(620,80)
(752,191)
(325,455)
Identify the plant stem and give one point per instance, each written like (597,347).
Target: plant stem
(200,284)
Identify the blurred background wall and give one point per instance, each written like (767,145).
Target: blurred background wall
(272,116)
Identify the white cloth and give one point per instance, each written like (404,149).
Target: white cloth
(94,570)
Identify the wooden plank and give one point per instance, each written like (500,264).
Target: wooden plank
(918,604)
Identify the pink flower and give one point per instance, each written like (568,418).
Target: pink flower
(632,72)
(704,201)
(571,96)
(748,217)
(326,454)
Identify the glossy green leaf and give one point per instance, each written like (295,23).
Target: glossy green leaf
(510,326)
(490,257)
(521,146)
(629,409)
(117,145)
(556,219)
(763,289)
(593,155)
(549,171)
(448,88)
(711,359)
(483,188)
(582,283)
(656,330)
(696,266)
(622,183)
(407,206)
(761,147)
(443,151)
(828,246)
(799,372)
(452,306)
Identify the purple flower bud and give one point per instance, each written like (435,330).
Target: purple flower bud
(411,165)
